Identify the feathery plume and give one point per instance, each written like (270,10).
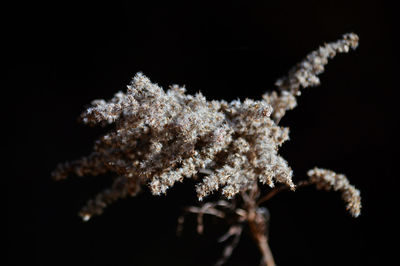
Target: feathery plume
(305,74)
(329,180)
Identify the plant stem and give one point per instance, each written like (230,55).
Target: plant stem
(261,240)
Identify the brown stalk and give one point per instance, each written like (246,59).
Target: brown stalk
(258,226)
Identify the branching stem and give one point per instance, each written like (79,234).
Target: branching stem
(276,190)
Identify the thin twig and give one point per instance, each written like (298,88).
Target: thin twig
(236,231)
(276,190)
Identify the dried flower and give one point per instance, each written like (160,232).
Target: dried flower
(162,137)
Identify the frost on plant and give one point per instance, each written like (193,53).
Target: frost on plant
(163,137)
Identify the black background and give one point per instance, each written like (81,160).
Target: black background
(64,55)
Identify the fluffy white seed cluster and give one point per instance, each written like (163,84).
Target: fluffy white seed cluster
(161,137)
(329,180)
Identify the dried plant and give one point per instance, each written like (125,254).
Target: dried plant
(162,137)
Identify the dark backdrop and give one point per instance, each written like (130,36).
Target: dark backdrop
(64,55)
